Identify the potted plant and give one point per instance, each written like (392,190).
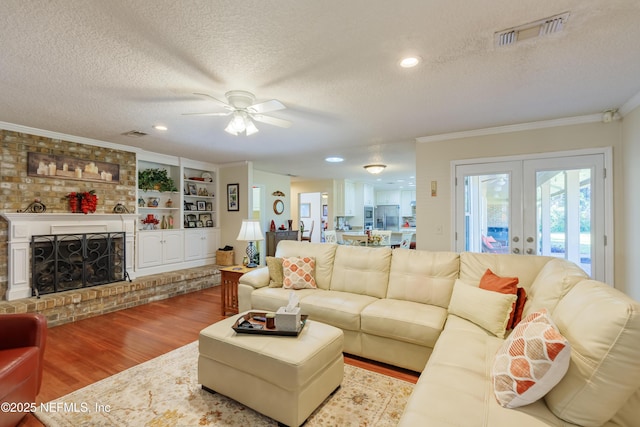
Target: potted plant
(155,179)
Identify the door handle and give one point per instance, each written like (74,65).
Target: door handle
(516,250)
(516,239)
(529,251)
(529,239)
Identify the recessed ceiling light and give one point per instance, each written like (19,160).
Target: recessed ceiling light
(410,61)
(160,127)
(334,159)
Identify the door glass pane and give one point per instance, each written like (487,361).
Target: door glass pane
(564,224)
(487,212)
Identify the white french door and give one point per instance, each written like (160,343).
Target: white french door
(554,206)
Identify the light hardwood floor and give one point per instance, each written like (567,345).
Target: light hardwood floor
(78,354)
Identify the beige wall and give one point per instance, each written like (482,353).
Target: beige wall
(230,222)
(274,182)
(628,204)
(317,186)
(433,163)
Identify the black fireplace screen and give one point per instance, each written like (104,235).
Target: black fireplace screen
(61,262)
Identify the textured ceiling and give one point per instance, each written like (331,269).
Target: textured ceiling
(100,68)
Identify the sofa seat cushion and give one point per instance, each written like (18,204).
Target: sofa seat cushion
(406,321)
(271,299)
(16,366)
(455,387)
(340,309)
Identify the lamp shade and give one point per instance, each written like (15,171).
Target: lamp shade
(250,231)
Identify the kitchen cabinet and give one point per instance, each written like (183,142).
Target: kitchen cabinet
(344,198)
(369,195)
(159,247)
(406,197)
(200,243)
(388,197)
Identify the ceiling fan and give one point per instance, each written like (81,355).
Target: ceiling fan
(241,105)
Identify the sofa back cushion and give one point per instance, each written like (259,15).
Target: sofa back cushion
(423,276)
(553,282)
(361,270)
(323,253)
(603,326)
(473,265)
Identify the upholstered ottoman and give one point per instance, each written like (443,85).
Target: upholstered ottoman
(283,377)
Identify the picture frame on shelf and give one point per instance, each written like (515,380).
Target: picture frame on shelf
(199,224)
(233,197)
(201,205)
(191,224)
(209,223)
(193,189)
(191,217)
(204,217)
(209,206)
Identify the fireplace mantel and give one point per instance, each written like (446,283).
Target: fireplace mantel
(21,226)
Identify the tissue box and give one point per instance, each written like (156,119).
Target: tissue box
(288,321)
(225,257)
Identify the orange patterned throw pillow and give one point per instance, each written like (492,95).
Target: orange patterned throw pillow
(299,273)
(531,361)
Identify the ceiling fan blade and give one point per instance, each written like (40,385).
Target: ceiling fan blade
(266,107)
(221,103)
(228,113)
(271,120)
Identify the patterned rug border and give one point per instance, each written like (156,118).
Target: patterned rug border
(164,392)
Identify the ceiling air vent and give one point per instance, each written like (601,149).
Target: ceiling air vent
(535,29)
(134,134)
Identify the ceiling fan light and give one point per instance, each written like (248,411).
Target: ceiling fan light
(375,169)
(237,123)
(230,129)
(251,127)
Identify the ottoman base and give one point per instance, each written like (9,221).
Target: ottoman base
(290,408)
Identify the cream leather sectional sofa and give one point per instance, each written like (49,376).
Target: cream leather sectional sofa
(393,307)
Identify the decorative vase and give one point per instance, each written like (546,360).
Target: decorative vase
(170,222)
(163,224)
(290,224)
(273,226)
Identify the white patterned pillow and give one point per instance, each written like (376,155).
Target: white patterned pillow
(299,273)
(531,361)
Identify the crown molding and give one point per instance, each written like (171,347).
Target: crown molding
(630,105)
(568,121)
(66,137)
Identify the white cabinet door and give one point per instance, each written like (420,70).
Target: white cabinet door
(388,197)
(406,197)
(210,243)
(149,249)
(369,195)
(192,244)
(172,246)
(349,198)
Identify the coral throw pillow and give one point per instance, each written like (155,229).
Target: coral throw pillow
(506,285)
(299,273)
(531,361)
(276,276)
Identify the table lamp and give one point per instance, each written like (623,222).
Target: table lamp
(250,232)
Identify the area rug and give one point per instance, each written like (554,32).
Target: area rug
(165,392)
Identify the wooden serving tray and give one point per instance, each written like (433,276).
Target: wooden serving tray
(251,318)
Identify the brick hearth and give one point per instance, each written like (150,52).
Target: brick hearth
(70,306)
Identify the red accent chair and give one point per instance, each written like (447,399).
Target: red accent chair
(22,341)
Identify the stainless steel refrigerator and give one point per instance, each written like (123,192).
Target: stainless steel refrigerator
(387,217)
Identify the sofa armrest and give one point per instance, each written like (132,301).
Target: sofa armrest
(258,278)
(22,330)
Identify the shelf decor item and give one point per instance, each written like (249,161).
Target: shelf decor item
(155,179)
(85,202)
